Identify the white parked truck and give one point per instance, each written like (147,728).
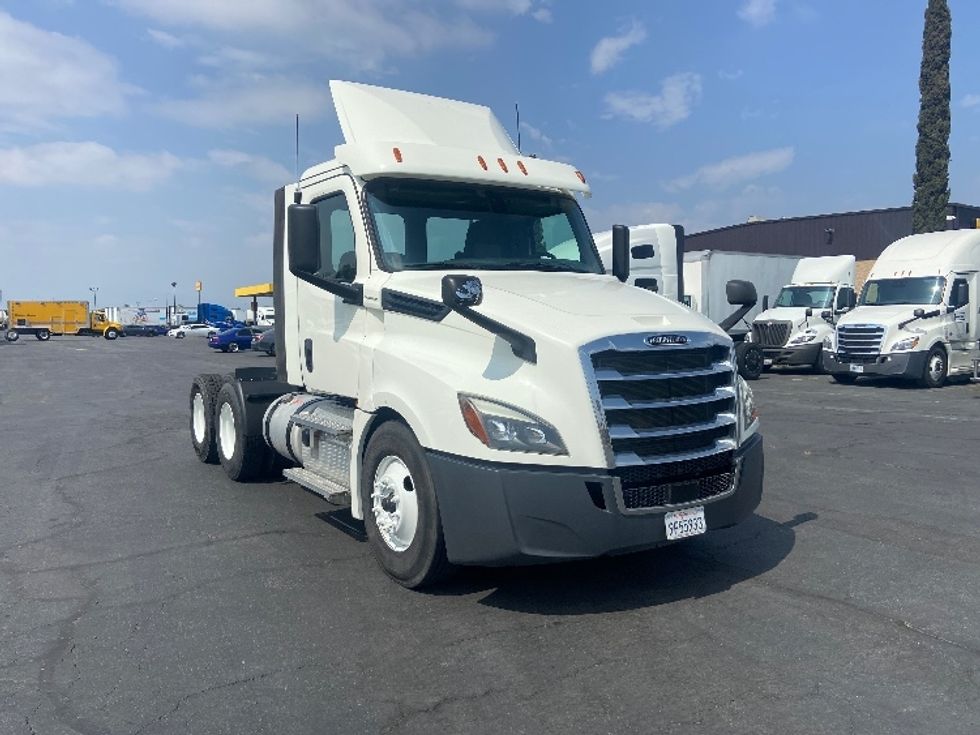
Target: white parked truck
(656,252)
(793,329)
(917,317)
(454,361)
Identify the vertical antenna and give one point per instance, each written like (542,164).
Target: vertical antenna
(297,194)
(517,112)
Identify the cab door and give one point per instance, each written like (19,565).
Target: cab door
(962,301)
(330,327)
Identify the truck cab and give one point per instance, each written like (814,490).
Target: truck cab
(917,317)
(656,257)
(792,331)
(455,363)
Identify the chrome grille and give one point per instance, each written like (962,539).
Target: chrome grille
(669,415)
(771,334)
(859,340)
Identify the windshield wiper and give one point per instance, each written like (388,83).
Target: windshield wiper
(538,265)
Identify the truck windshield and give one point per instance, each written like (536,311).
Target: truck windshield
(432,225)
(817,297)
(889,291)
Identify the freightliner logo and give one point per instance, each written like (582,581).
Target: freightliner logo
(656,340)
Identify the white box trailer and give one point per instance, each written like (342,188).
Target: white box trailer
(707,272)
(454,362)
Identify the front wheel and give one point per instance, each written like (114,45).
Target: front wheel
(401,513)
(110,333)
(179,335)
(935,370)
(750,360)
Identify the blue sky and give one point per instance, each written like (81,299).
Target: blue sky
(141,140)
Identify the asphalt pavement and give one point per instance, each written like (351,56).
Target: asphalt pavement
(144,592)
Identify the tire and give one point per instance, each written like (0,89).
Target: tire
(750,360)
(43,335)
(12,335)
(936,369)
(412,556)
(272,352)
(844,378)
(818,363)
(243,456)
(204,391)
(110,333)
(233,347)
(179,335)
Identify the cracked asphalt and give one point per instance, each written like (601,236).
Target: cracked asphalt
(143,592)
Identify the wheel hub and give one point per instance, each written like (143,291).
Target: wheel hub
(394,503)
(227,431)
(197,415)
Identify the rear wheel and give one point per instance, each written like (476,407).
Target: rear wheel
(935,370)
(44,335)
(204,394)
(401,514)
(244,456)
(233,347)
(750,360)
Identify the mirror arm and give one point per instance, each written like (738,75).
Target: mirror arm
(522,345)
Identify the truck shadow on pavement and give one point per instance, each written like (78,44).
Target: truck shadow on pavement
(688,570)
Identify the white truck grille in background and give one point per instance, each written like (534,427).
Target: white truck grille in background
(771,334)
(669,414)
(859,342)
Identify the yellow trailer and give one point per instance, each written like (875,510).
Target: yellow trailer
(45,318)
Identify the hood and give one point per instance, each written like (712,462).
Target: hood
(795,314)
(884,315)
(570,307)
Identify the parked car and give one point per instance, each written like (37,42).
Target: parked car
(192,330)
(266,342)
(232,340)
(143,330)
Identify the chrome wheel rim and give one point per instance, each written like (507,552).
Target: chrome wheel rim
(936,367)
(197,417)
(394,503)
(227,430)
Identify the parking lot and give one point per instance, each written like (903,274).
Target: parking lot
(143,592)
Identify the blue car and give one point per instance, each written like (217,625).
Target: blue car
(233,340)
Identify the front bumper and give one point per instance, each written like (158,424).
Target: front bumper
(807,354)
(899,364)
(495,514)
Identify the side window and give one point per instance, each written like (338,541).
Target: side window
(955,300)
(337,256)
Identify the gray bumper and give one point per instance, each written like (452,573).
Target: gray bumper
(905,365)
(496,514)
(803,355)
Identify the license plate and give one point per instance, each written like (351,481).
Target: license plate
(767,363)
(684,523)
(857,368)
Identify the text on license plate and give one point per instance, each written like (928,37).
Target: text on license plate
(684,523)
(857,368)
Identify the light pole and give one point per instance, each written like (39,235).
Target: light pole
(95,297)
(173,285)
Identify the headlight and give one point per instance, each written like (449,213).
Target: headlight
(500,426)
(903,345)
(748,336)
(804,337)
(748,414)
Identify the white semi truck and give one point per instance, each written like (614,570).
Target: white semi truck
(792,331)
(656,255)
(456,364)
(917,317)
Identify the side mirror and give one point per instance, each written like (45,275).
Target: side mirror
(642,252)
(827,316)
(461,291)
(650,284)
(765,302)
(304,238)
(741,293)
(919,313)
(809,312)
(621,252)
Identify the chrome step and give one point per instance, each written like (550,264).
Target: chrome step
(331,491)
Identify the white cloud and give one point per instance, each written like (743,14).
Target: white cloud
(233,57)
(257,101)
(167,40)
(730,74)
(543,15)
(608,52)
(83,164)
(736,170)
(48,76)
(363,34)
(970,100)
(633,213)
(258,167)
(758,12)
(678,94)
(516,7)
(536,134)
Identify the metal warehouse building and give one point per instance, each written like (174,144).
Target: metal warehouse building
(862,234)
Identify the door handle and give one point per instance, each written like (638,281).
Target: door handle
(308,354)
